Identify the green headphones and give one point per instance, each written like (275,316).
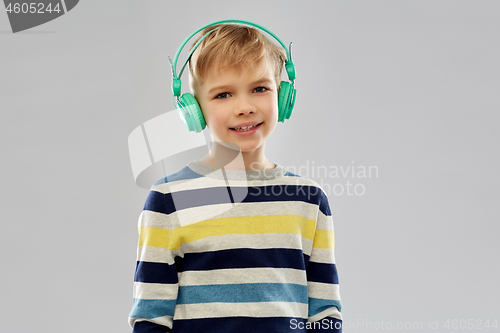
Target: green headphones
(188,107)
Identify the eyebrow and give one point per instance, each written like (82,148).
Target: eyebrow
(262,81)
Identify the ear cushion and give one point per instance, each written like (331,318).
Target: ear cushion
(196,121)
(283,100)
(291,104)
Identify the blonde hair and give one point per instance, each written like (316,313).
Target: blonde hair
(233,46)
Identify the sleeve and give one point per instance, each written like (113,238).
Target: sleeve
(322,277)
(155,280)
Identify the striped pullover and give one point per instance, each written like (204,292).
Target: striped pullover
(223,251)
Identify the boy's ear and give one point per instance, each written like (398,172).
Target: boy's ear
(194,91)
(191,83)
(194,86)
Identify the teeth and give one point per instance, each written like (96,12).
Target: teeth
(246,128)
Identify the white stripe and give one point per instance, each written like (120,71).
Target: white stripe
(243,275)
(201,213)
(206,182)
(299,208)
(155,291)
(236,241)
(323,290)
(242,241)
(155,254)
(325,256)
(260,309)
(165,321)
(324,222)
(157,220)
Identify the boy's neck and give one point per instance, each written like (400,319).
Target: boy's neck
(230,159)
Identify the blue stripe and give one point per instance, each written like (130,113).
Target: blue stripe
(156,202)
(288,192)
(324,205)
(243,293)
(164,203)
(291,174)
(240,324)
(183,174)
(317,305)
(152,308)
(321,272)
(154,272)
(242,258)
(201,197)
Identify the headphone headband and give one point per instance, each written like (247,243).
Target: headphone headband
(176,83)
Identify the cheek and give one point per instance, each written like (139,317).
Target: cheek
(272,106)
(217,119)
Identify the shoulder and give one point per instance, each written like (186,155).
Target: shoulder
(309,188)
(164,184)
(290,177)
(161,190)
(183,174)
(185,186)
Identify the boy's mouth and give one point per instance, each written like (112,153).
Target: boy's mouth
(245,128)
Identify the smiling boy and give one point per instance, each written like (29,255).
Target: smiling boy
(216,252)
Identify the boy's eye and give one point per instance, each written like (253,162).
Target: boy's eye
(222,95)
(260,89)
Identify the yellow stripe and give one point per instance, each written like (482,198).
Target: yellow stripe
(324,239)
(247,225)
(155,237)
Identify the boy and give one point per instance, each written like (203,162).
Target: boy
(265,264)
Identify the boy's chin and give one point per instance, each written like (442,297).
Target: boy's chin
(223,145)
(250,149)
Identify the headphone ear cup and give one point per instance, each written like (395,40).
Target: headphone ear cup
(286,101)
(290,104)
(282,99)
(195,122)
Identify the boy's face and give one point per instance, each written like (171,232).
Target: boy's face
(229,98)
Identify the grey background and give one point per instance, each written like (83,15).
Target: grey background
(408,86)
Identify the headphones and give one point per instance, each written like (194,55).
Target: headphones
(188,107)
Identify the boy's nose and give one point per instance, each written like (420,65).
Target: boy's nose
(244,106)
